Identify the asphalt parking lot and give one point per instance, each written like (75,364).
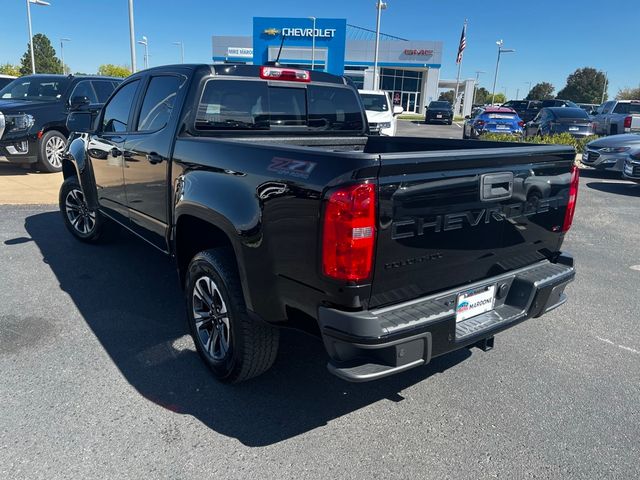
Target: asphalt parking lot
(100,380)
(416,128)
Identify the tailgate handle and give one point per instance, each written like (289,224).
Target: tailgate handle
(496,186)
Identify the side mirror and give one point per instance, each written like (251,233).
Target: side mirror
(78,102)
(397,110)
(80,122)
(467,117)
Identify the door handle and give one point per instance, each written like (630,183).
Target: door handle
(154,158)
(115,152)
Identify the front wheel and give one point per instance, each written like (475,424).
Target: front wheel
(85,224)
(51,150)
(233,344)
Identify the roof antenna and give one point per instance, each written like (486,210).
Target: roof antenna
(277,60)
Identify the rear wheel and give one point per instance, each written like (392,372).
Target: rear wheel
(233,344)
(85,224)
(51,149)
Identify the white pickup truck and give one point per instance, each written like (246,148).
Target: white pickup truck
(617,116)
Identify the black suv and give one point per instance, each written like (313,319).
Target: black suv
(439,111)
(33,114)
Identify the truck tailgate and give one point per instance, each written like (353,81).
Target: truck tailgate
(450,218)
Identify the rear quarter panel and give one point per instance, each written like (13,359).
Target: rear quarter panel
(268,200)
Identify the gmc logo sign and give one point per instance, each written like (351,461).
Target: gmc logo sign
(415,51)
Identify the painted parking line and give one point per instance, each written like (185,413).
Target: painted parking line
(622,347)
(457,124)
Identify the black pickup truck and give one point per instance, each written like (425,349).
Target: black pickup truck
(278,209)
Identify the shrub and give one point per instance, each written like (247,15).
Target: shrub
(558,139)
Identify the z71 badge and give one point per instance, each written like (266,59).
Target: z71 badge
(292,168)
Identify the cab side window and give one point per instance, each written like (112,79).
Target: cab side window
(84,89)
(103,89)
(116,112)
(159,101)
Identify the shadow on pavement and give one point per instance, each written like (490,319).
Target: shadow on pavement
(629,189)
(129,296)
(9,169)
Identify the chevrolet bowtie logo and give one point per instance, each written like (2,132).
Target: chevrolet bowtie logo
(271,31)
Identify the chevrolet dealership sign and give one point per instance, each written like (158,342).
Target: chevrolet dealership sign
(301,32)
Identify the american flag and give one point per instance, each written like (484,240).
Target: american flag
(463,43)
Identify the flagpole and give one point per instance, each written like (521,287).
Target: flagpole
(455,94)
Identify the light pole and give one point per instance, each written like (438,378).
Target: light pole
(380,5)
(517,93)
(132,38)
(313,43)
(475,86)
(501,50)
(62,40)
(145,42)
(181,45)
(504,90)
(43,4)
(604,88)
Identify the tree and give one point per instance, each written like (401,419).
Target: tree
(585,85)
(541,91)
(45,57)
(8,69)
(483,96)
(111,70)
(628,93)
(498,98)
(446,96)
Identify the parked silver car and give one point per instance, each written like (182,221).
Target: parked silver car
(631,169)
(610,153)
(617,116)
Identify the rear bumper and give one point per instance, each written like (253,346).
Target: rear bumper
(445,118)
(368,345)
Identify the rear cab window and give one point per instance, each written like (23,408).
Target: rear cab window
(628,108)
(258,105)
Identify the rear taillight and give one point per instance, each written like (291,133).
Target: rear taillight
(521,123)
(479,123)
(348,233)
(286,74)
(627,122)
(573,196)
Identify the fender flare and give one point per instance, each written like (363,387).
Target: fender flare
(76,160)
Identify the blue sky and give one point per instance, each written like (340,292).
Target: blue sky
(552,38)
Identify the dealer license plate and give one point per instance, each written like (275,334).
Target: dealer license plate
(573,129)
(438,115)
(475,302)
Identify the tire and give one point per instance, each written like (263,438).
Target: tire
(84,224)
(450,122)
(235,346)
(50,149)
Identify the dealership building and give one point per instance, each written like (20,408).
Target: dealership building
(408,69)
